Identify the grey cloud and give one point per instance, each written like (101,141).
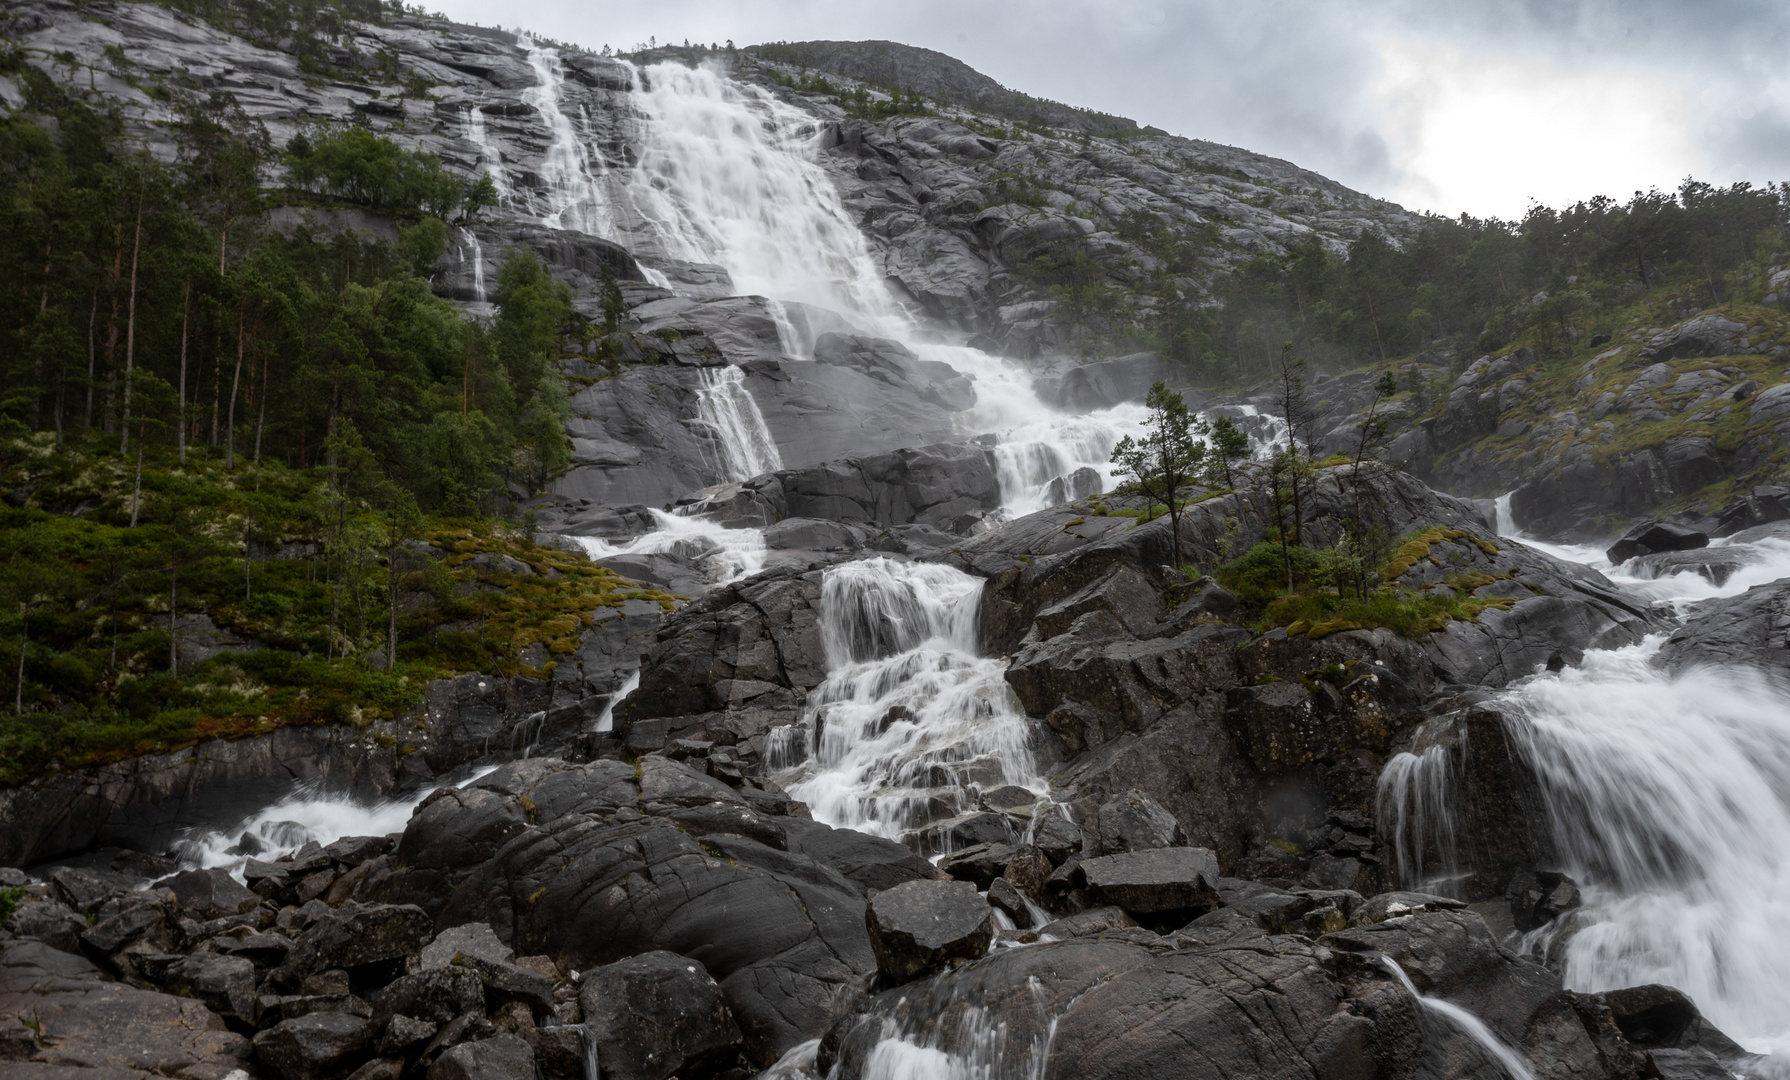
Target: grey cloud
(1290,78)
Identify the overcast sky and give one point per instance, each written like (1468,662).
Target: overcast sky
(1447,106)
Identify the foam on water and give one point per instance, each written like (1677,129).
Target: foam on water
(910,723)
(1669,798)
(301,818)
(730,554)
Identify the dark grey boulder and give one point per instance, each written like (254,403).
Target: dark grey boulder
(919,926)
(356,936)
(783,935)
(1135,822)
(1179,879)
(870,862)
(1656,1017)
(1648,537)
(1106,383)
(434,996)
(1057,837)
(83,889)
(469,939)
(1139,1010)
(315,1047)
(978,864)
(1003,896)
(1089,923)
(1028,870)
(226,984)
(501,1057)
(658,1015)
(1715,564)
(210,894)
(51,922)
(1452,955)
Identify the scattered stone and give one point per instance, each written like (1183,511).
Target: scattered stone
(502,1057)
(312,1047)
(1135,822)
(919,926)
(1005,897)
(979,864)
(470,939)
(657,1015)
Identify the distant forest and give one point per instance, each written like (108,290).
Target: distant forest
(1471,284)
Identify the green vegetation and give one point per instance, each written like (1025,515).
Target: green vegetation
(257,475)
(1324,598)
(1170,454)
(9,903)
(306,578)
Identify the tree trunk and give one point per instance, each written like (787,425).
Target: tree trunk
(235,384)
(261,420)
(130,334)
(391,629)
(173,618)
(92,320)
(137,491)
(186,306)
(18,697)
(112,332)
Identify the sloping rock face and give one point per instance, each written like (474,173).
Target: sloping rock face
(600,862)
(949,487)
(1583,458)
(730,666)
(1751,630)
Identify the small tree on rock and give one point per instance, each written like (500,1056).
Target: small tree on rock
(1168,455)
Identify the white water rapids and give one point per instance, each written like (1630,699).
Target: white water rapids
(1670,803)
(910,723)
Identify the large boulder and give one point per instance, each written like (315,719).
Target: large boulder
(1174,879)
(895,364)
(1648,537)
(655,1016)
(319,1046)
(1751,630)
(921,925)
(356,936)
(1105,383)
(502,1057)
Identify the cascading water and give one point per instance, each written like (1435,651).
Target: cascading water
(299,819)
(910,723)
(575,200)
(1511,1062)
(490,157)
(730,554)
(1669,798)
(729,175)
(725,407)
(478,262)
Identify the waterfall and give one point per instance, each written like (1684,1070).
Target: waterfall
(298,819)
(730,554)
(910,723)
(729,175)
(490,157)
(726,408)
(574,198)
(1511,1062)
(1669,800)
(478,263)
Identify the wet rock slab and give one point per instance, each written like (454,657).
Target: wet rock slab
(1156,880)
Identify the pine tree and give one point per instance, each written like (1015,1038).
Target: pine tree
(1168,456)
